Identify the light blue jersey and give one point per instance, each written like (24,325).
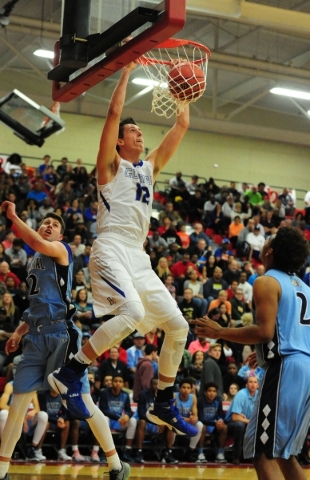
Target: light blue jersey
(292,333)
(49,289)
(185,406)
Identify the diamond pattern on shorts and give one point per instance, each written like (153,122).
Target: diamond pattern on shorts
(266,410)
(270,345)
(264,437)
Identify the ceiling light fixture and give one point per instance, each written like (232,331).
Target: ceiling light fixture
(146,82)
(44,53)
(286,92)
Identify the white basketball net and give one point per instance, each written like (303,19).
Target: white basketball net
(157,63)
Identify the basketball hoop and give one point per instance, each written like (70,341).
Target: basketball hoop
(177,69)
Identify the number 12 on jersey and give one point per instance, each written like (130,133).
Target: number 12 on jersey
(142,194)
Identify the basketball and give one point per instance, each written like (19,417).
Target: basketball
(186,81)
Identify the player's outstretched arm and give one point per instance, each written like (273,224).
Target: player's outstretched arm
(161,155)
(55,250)
(107,155)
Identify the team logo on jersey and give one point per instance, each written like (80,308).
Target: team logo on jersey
(295,282)
(111,300)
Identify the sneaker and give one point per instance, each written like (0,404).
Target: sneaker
(122,474)
(77,457)
(68,384)
(94,457)
(63,457)
(220,458)
(165,413)
(169,458)
(126,456)
(201,458)
(139,457)
(38,454)
(191,456)
(31,455)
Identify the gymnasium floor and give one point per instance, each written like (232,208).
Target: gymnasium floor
(65,471)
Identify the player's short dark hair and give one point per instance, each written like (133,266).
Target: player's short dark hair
(188,380)
(290,250)
(56,217)
(122,124)
(117,376)
(210,385)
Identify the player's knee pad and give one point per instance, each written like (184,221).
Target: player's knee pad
(113,331)
(173,346)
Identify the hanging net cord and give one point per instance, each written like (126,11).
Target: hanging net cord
(157,64)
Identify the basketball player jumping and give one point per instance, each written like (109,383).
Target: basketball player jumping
(122,278)
(281,417)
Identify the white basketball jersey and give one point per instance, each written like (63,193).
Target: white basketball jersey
(125,204)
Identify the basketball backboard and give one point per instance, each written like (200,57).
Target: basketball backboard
(31,122)
(105,53)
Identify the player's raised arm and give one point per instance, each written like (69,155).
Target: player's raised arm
(161,155)
(108,158)
(44,242)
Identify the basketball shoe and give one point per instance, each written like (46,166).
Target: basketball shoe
(166,413)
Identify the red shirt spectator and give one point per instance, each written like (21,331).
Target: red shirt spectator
(5,273)
(179,269)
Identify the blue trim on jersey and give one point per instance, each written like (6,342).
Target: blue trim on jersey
(105,202)
(139,164)
(113,286)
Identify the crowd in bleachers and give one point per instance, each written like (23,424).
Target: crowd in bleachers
(204,244)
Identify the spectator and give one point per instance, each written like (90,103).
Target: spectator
(179,270)
(21,300)
(216,220)
(37,193)
(133,354)
(45,208)
(239,413)
(188,306)
(144,370)
(210,413)
(197,288)
(198,234)
(186,402)
(246,288)
(169,212)
(237,212)
(62,168)
(231,376)
(214,285)
(254,196)
(256,242)
(158,244)
(234,229)
(79,281)
(113,366)
(223,252)
(202,344)
(195,208)
(162,269)
(114,402)
(12,311)
(242,246)
(6,330)
(5,273)
(79,246)
(170,285)
(193,184)
(211,371)
(209,207)
(18,258)
(9,237)
(184,236)
(50,179)
(3,256)
(222,298)
(259,273)
(238,307)
(232,273)
(232,289)
(42,169)
(90,213)
(11,286)
(84,310)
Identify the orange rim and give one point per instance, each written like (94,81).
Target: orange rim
(174,43)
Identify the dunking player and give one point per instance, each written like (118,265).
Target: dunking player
(50,336)
(281,416)
(123,281)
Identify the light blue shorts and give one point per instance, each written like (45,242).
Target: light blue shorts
(281,416)
(43,352)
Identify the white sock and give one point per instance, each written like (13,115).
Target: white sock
(114,462)
(81,357)
(4,468)
(95,448)
(75,448)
